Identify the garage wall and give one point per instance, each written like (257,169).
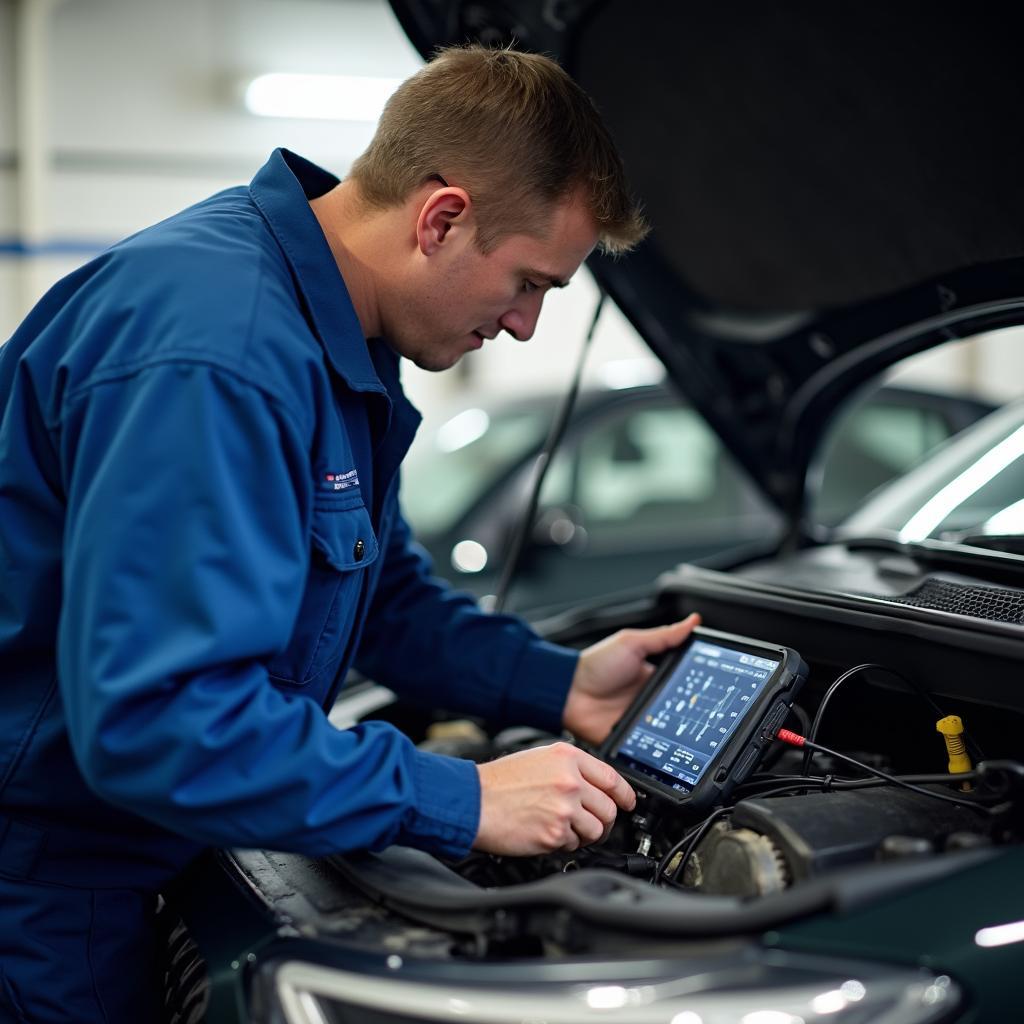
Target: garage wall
(991,366)
(162,121)
(144,111)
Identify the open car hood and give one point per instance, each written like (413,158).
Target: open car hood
(832,188)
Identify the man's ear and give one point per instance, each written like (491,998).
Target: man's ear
(443,210)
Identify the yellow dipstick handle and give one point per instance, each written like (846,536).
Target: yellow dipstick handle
(952,729)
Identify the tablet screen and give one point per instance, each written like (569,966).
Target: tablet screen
(689,719)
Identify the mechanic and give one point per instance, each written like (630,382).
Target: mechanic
(199,531)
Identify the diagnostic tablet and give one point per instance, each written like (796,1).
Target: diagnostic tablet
(705,718)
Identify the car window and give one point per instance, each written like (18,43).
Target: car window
(900,459)
(644,473)
(466,454)
(900,419)
(970,488)
(877,440)
(642,462)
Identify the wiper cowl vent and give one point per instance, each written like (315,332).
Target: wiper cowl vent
(995,603)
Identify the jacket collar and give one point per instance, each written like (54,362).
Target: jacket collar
(281,190)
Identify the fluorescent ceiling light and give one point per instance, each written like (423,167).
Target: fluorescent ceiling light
(328,97)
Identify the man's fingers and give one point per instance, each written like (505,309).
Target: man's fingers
(548,798)
(661,638)
(609,781)
(587,828)
(599,804)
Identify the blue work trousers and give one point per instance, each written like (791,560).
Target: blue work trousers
(76,955)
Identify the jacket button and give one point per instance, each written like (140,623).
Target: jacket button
(359,550)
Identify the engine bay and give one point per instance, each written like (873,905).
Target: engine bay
(785,826)
(764,844)
(907,788)
(908,777)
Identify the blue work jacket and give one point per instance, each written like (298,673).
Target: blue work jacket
(199,535)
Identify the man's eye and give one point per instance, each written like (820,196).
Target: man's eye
(529,286)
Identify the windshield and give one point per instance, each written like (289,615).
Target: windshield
(970,489)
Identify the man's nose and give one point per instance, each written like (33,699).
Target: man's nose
(521,321)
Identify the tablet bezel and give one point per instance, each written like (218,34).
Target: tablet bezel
(712,786)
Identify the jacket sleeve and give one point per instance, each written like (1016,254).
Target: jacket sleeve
(186,548)
(434,644)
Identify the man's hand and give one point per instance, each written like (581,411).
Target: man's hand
(611,672)
(549,798)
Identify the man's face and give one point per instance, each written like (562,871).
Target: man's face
(463,297)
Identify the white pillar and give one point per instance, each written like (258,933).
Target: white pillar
(34,19)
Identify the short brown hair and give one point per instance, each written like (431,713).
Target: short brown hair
(512,129)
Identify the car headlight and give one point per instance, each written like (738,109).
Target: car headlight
(770,989)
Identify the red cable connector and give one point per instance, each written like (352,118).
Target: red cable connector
(794,739)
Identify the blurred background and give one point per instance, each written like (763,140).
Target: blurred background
(117,113)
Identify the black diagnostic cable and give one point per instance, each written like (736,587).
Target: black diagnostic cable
(812,735)
(689,841)
(698,835)
(827,783)
(542,464)
(801,716)
(796,740)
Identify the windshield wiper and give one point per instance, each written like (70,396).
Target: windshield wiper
(1012,543)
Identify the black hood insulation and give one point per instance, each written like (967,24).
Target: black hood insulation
(802,156)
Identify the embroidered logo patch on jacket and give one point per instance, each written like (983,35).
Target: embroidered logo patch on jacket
(341,481)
